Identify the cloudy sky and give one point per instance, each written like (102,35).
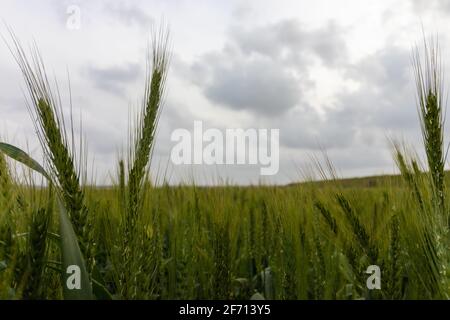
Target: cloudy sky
(331,75)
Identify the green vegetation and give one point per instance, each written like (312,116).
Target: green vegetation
(134,240)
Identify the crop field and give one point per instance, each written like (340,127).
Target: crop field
(375,238)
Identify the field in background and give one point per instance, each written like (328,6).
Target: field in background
(305,241)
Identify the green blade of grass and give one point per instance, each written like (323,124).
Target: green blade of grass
(100,291)
(21,156)
(71,256)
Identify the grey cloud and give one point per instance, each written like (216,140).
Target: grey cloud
(265,69)
(242,11)
(128,13)
(103,139)
(306,129)
(389,67)
(260,85)
(255,72)
(440,6)
(385,98)
(113,79)
(383,104)
(288,40)
(170,120)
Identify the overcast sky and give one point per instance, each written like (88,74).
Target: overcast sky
(333,75)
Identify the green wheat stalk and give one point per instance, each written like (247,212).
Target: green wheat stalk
(37,249)
(141,150)
(46,110)
(428,76)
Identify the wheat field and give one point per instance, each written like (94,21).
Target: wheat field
(135,240)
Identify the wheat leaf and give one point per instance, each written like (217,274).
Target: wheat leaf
(71,256)
(21,156)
